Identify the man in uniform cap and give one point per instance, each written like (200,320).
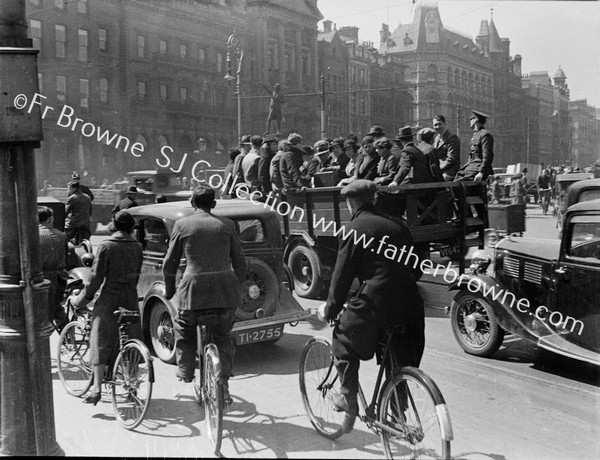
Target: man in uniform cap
(481,154)
(128,201)
(387,296)
(212,280)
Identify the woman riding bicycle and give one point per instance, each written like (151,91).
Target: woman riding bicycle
(118,264)
(388,295)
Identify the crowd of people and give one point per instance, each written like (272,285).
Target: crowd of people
(428,154)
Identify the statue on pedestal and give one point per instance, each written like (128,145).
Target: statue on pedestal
(275,112)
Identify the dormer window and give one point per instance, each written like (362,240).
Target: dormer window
(408,40)
(390,42)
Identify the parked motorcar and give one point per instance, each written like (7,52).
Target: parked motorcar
(268,302)
(574,188)
(544,291)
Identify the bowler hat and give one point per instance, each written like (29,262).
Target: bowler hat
(479,116)
(404,134)
(377,131)
(132,189)
(269,138)
(359,188)
(321,146)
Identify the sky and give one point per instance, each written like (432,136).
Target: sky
(547,34)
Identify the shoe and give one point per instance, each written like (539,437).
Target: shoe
(227,399)
(343,404)
(348,423)
(92,398)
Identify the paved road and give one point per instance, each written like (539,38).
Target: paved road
(522,404)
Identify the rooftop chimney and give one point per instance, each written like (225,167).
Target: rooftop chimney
(327,26)
(384,33)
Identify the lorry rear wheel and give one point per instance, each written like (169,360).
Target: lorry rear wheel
(474,325)
(307,272)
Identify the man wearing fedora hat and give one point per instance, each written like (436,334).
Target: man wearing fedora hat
(128,201)
(376,132)
(412,167)
(84,188)
(481,154)
(388,296)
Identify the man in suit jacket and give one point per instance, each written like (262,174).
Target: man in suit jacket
(448,146)
(388,294)
(267,152)
(213,277)
(128,201)
(412,168)
(366,162)
(289,167)
(388,164)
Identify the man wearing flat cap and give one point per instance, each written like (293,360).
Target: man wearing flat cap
(432,161)
(128,201)
(481,154)
(387,296)
(214,273)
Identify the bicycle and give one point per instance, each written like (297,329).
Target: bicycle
(208,383)
(130,373)
(407,410)
(545,200)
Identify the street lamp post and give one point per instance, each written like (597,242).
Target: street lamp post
(233,45)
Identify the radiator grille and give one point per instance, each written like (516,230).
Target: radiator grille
(532,272)
(511,267)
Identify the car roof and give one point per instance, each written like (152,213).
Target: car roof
(592,205)
(175,210)
(587,183)
(573,177)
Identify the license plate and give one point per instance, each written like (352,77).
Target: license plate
(450,250)
(259,334)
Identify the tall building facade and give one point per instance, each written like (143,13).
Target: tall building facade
(152,72)
(585,134)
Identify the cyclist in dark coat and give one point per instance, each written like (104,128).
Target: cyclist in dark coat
(115,275)
(387,296)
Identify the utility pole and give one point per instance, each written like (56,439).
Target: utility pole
(26,404)
(323,129)
(528,136)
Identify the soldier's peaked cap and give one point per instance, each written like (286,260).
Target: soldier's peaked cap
(479,116)
(359,188)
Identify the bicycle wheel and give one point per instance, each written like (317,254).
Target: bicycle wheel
(413,408)
(213,396)
(73,359)
(133,376)
(318,383)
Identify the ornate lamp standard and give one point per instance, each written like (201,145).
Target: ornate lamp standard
(233,45)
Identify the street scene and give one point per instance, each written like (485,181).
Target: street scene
(309,229)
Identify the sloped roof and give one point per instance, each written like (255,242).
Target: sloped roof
(327,36)
(560,73)
(484,29)
(494,38)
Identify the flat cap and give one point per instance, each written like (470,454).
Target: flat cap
(479,116)
(245,139)
(256,140)
(269,138)
(294,138)
(338,141)
(321,146)
(426,133)
(124,218)
(132,189)
(359,188)
(368,140)
(383,142)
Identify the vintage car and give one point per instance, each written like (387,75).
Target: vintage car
(545,291)
(268,302)
(574,188)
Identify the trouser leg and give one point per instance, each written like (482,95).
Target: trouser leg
(185,343)
(221,329)
(347,363)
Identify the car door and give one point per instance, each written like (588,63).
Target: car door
(577,307)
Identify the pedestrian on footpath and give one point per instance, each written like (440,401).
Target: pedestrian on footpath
(84,188)
(77,214)
(128,201)
(214,273)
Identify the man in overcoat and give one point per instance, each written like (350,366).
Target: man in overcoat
(128,201)
(448,146)
(412,165)
(387,296)
(388,164)
(213,278)
(481,154)
(77,214)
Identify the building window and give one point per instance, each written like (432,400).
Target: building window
(219,62)
(35,30)
(83,45)
(61,88)
(163,91)
(60,4)
(431,73)
(201,54)
(182,51)
(141,89)
(84,93)
(102,38)
(183,93)
(362,76)
(270,60)
(60,40)
(204,92)
(162,46)
(456,77)
(288,62)
(41,82)
(141,45)
(103,89)
(82,6)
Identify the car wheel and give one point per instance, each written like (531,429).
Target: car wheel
(474,325)
(307,272)
(260,291)
(162,334)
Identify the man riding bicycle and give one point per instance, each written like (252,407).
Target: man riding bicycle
(388,294)
(214,273)
(543,184)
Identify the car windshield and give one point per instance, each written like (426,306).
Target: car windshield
(585,241)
